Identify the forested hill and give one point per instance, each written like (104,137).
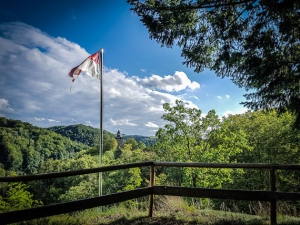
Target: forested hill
(89,135)
(145,139)
(23,147)
(81,133)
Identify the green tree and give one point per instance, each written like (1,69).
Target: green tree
(273,140)
(189,137)
(24,147)
(132,142)
(64,189)
(16,198)
(122,180)
(81,133)
(86,188)
(109,144)
(254,42)
(10,153)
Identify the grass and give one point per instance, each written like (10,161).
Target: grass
(168,211)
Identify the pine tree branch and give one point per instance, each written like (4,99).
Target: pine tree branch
(194,6)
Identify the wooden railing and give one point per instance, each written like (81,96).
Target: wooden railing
(270,195)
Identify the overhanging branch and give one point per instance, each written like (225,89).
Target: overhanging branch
(195,6)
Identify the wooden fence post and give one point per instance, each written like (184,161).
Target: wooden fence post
(152,182)
(273,213)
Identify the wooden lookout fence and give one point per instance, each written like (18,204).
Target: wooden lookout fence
(270,195)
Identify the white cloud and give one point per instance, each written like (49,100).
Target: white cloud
(203,115)
(39,119)
(154,131)
(122,122)
(150,124)
(238,111)
(73,121)
(89,123)
(53,121)
(4,106)
(220,97)
(178,82)
(195,97)
(228,113)
(34,77)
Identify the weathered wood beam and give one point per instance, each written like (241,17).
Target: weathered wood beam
(61,208)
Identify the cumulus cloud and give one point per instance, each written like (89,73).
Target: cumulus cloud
(4,106)
(122,122)
(34,78)
(178,82)
(150,124)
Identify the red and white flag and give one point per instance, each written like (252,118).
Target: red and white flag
(90,66)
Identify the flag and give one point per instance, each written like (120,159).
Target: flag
(90,66)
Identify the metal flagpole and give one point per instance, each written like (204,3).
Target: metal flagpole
(101,120)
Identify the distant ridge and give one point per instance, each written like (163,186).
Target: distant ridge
(24,146)
(147,140)
(89,135)
(80,133)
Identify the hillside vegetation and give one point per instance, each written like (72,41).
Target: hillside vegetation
(25,147)
(80,133)
(252,137)
(90,136)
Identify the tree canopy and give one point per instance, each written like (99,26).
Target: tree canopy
(23,147)
(81,133)
(188,136)
(254,42)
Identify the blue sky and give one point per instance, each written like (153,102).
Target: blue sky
(41,41)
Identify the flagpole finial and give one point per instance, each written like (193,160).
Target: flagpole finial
(101,50)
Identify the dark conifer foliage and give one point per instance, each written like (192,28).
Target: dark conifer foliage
(256,43)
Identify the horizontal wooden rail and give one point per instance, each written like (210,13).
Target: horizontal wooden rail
(230,165)
(213,193)
(56,209)
(270,195)
(50,210)
(224,194)
(142,164)
(44,176)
